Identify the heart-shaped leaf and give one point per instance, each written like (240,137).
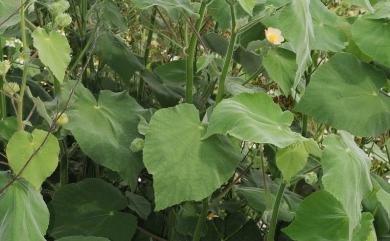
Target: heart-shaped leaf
(54,51)
(23,145)
(105,128)
(185,167)
(350,85)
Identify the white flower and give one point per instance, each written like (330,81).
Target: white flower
(274,36)
(21,59)
(10,42)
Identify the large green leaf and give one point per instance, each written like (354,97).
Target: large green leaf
(372,37)
(82,238)
(296,24)
(91,208)
(54,51)
(185,167)
(23,213)
(173,7)
(342,86)
(319,217)
(329,29)
(115,53)
(22,146)
(365,231)
(346,174)
(247,5)
(281,67)
(255,118)
(8,126)
(105,128)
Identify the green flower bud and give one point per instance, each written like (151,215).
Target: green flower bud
(63,20)
(11,88)
(62,120)
(58,7)
(4,67)
(311,178)
(137,145)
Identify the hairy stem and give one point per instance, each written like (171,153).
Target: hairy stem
(191,51)
(228,57)
(25,69)
(147,52)
(275,212)
(201,220)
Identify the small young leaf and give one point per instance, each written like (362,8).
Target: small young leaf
(291,160)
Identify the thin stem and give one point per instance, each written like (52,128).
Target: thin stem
(228,57)
(25,69)
(304,126)
(3,103)
(275,212)
(152,235)
(64,163)
(191,52)
(201,220)
(147,52)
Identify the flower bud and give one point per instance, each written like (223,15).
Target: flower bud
(4,67)
(137,145)
(58,7)
(11,88)
(62,120)
(311,178)
(63,20)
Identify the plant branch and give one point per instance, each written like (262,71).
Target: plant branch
(229,55)
(153,236)
(201,220)
(275,212)
(191,52)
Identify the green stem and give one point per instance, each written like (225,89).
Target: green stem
(228,57)
(25,69)
(147,52)
(3,103)
(64,163)
(304,126)
(191,51)
(201,220)
(275,212)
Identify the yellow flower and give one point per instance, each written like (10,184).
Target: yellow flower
(274,36)
(62,119)
(211,216)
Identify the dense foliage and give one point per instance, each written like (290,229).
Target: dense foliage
(212,120)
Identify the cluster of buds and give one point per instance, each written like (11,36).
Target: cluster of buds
(57,9)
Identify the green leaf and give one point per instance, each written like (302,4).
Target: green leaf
(281,68)
(112,51)
(8,126)
(105,128)
(255,118)
(291,160)
(346,174)
(365,231)
(372,37)
(350,85)
(54,51)
(139,205)
(185,167)
(173,7)
(23,145)
(296,24)
(319,217)
(91,208)
(7,9)
(82,238)
(382,10)
(329,29)
(247,5)
(23,212)
(110,14)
